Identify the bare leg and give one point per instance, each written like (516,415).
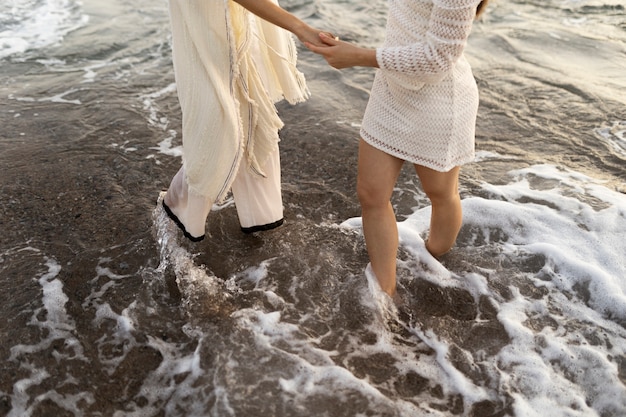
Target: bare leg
(442,188)
(377,175)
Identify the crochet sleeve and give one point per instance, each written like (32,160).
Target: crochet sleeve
(448,29)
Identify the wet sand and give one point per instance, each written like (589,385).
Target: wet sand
(67,195)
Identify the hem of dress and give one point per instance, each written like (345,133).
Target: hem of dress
(428,163)
(180,225)
(263,227)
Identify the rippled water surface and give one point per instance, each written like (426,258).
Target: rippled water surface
(108,311)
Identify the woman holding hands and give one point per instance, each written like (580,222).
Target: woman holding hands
(233,59)
(422,109)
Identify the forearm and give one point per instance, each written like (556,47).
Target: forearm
(434,56)
(273,13)
(350,55)
(367,58)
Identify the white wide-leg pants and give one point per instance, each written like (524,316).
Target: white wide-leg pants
(258,201)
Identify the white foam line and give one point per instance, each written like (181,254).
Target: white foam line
(459,382)
(54,99)
(158,384)
(317,372)
(253,274)
(487,155)
(96,296)
(20,397)
(526,369)
(315,380)
(47,23)
(58,324)
(166,147)
(74,403)
(150,107)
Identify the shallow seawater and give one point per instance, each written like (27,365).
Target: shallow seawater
(108,311)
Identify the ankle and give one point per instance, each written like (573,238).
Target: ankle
(390,290)
(437,251)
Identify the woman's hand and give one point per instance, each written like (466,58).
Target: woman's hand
(308,35)
(340,54)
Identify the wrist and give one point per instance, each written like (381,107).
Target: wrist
(298,28)
(368,58)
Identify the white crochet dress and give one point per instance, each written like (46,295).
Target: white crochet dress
(424,100)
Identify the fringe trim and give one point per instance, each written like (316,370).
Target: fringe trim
(234,75)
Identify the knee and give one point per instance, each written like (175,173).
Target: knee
(369,196)
(439,195)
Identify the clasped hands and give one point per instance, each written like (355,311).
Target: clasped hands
(340,54)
